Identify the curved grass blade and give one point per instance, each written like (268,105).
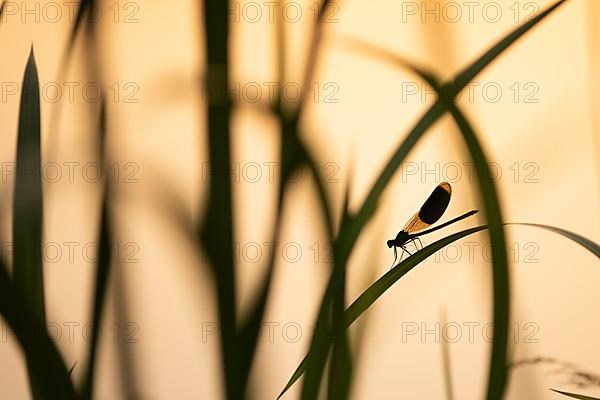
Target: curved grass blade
(379,287)
(28,214)
(369,296)
(463,78)
(319,347)
(376,290)
(352,226)
(575,396)
(498,375)
(451,89)
(216,231)
(294,154)
(249,330)
(355,225)
(300,370)
(45,364)
(102,269)
(336,287)
(102,275)
(577,238)
(501,293)
(376,52)
(322,338)
(340,367)
(28,202)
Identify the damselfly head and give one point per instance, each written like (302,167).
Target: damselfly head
(401,238)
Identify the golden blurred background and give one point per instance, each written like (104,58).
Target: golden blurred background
(536,108)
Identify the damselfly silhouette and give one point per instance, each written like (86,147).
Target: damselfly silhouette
(431,211)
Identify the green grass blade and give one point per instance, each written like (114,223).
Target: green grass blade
(335,292)
(379,287)
(575,396)
(217,230)
(498,374)
(28,214)
(322,338)
(354,225)
(461,80)
(45,365)
(376,52)
(84,10)
(319,347)
(376,290)
(250,329)
(295,376)
(469,73)
(340,368)
(336,287)
(101,281)
(487,188)
(28,202)
(102,269)
(583,241)
(333,298)
(294,154)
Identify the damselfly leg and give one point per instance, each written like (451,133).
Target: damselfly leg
(395,257)
(420,243)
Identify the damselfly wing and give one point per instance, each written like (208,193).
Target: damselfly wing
(432,210)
